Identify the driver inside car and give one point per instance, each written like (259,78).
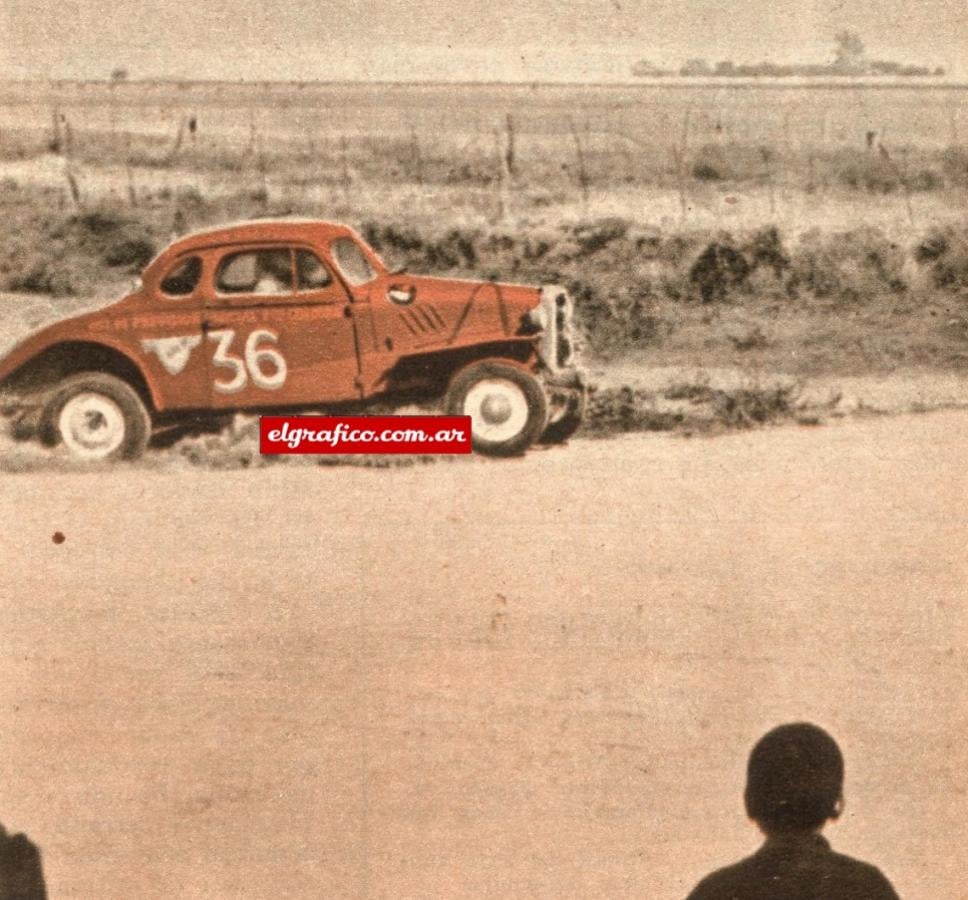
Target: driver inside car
(275,272)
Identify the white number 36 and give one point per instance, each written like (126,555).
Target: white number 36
(256,358)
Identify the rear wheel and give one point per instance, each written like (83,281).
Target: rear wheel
(97,417)
(507,406)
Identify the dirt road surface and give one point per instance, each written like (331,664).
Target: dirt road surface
(533,678)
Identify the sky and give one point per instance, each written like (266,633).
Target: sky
(460,40)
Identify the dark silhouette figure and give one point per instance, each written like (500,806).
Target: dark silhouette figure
(794,786)
(21,875)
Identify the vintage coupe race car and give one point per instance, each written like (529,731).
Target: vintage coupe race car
(290,315)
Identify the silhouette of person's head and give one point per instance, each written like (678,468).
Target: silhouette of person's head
(794,780)
(21,873)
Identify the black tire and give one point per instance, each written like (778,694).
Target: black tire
(562,428)
(103,393)
(519,428)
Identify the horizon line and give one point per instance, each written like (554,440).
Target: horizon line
(673,81)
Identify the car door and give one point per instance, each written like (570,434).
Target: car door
(279,330)
(394,318)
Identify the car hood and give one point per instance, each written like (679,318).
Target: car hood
(516,300)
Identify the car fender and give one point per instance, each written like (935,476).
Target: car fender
(62,334)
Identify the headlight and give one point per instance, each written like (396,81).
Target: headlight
(539,317)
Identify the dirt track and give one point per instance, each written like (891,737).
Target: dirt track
(536,678)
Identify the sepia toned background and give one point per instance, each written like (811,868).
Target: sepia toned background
(531,678)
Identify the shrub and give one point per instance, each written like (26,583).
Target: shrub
(706,171)
(748,407)
(850,266)
(98,223)
(765,248)
(925,180)
(135,253)
(745,406)
(595,236)
(719,270)
(728,162)
(944,251)
(865,171)
(36,274)
(451,251)
(625,409)
(954,164)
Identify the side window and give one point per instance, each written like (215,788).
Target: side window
(182,278)
(264,272)
(311,274)
(351,261)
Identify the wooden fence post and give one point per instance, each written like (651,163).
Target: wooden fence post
(582,170)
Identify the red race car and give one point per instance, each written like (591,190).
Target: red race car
(288,315)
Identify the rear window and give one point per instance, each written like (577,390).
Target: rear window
(352,263)
(182,278)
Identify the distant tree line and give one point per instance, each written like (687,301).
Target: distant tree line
(850,59)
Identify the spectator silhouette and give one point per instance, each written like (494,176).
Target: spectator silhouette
(21,876)
(794,786)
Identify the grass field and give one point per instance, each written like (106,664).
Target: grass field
(705,156)
(804,233)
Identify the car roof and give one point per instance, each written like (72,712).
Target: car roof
(257,230)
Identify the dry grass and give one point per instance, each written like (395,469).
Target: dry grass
(695,406)
(817,302)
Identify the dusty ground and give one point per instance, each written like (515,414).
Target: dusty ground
(536,678)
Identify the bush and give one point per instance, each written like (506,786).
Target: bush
(850,266)
(38,275)
(745,406)
(706,171)
(626,409)
(944,251)
(748,407)
(765,249)
(135,253)
(865,171)
(954,164)
(98,223)
(594,236)
(720,269)
(728,162)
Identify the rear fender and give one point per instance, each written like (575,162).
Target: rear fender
(31,379)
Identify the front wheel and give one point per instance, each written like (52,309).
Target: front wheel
(566,418)
(507,406)
(97,417)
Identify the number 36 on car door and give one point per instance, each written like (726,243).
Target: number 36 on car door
(255,359)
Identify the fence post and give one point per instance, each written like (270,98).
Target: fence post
(503,180)
(509,158)
(344,168)
(129,170)
(582,171)
(69,173)
(902,177)
(56,144)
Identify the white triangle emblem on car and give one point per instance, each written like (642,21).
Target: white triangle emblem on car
(173,352)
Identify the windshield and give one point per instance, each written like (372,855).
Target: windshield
(352,262)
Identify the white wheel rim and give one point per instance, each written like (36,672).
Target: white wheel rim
(498,409)
(91,425)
